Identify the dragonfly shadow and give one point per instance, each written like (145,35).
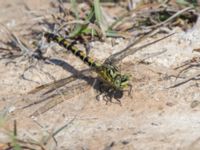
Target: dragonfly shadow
(65,66)
(76,74)
(107,92)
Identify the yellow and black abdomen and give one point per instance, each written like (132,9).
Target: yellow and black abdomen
(64,43)
(108,73)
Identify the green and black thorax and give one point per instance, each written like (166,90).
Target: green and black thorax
(108,73)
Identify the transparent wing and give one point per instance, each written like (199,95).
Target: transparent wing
(61,96)
(115,58)
(50,87)
(56,92)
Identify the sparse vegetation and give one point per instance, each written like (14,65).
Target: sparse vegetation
(53,105)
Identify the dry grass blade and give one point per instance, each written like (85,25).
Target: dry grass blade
(52,135)
(15,143)
(187,65)
(196,50)
(196,76)
(18,43)
(164,23)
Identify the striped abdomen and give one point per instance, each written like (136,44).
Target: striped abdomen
(107,72)
(64,43)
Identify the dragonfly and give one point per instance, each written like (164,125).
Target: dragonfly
(112,82)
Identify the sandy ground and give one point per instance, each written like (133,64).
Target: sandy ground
(155,117)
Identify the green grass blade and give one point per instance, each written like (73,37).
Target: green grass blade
(75,8)
(80,28)
(99,16)
(187,2)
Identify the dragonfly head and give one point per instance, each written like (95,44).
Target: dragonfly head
(113,77)
(121,81)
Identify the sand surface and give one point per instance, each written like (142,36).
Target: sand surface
(155,117)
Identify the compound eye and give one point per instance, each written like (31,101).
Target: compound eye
(124,78)
(118,81)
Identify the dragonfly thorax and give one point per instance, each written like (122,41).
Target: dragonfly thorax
(113,77)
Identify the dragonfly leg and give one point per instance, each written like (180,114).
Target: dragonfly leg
(108,93)
(102,88)
(112,93)
(129,90)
